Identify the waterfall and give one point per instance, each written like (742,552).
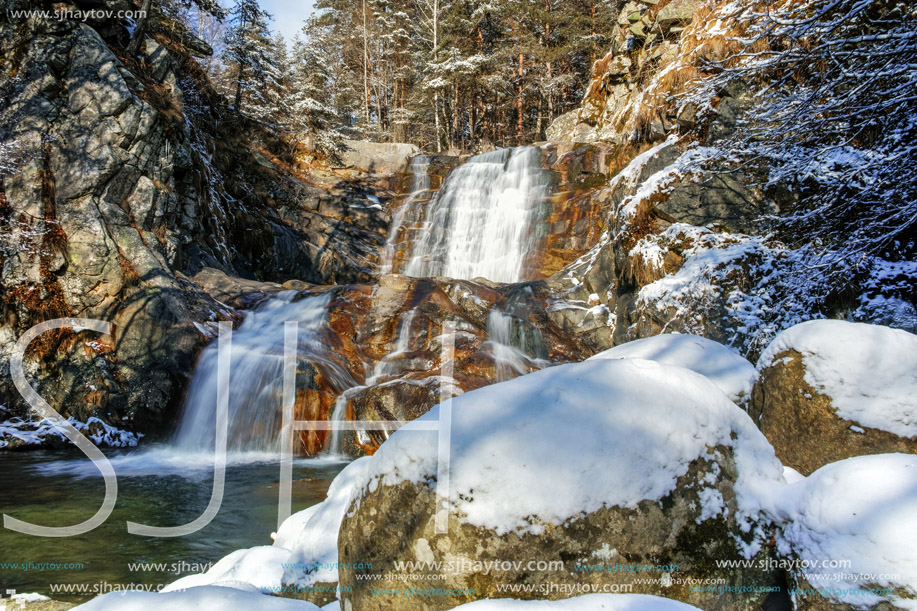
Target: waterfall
(386,366)
(517,348)
(420,186)
(479,224)
(256,376)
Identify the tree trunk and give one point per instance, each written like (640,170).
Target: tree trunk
(520,127)
(238,103)
(140,31)
(365,70)
(439,142)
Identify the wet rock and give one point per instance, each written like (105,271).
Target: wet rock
(238,292)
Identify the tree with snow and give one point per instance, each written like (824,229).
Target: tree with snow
(312,89)
(832,115)
(251,54)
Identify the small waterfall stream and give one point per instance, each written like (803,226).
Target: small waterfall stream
(480,223)
(516,347)
(419,169)
(256,376)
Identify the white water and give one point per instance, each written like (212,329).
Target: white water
(478,225)
(420,186)
(517,349)
(480,222)
(388,365)
(256,377)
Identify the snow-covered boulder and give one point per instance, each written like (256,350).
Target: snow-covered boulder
(851,534)
(592,464)
(733,374)
(590,602)
(831,389)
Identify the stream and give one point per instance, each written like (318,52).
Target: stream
(156,486)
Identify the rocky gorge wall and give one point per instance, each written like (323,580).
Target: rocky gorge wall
(123,177)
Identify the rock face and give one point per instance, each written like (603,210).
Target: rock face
(397,325)
(826,393)
(614,110)
(514,499)
(114,184)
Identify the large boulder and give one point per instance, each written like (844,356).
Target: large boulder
(585,465)
(733,374)
(850,537)
(832,389)
(378,157)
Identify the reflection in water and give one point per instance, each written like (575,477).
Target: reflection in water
(156,486)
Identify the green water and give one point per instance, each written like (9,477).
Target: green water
(156,487)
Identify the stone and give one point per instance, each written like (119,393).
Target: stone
(378,157)
(677,12)
(802,424)
(393,514)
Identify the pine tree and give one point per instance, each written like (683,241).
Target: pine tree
(312,86)
(250,52)
(149,8)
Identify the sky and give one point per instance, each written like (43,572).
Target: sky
(289,15)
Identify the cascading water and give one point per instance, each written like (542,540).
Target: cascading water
(256,376)
(517,348)
(479,224)
(420,186)
(387,365)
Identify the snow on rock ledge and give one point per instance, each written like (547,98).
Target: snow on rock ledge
(590,462)
(831,389)
(734,375)
(858,511)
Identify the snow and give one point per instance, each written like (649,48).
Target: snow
(601,416)
(206,598)
(312,536)
(261,567)
(860,510)
(630,175)
(733,374)
(868,371)
(31,597)
(662,181)
(609,602)
(35,433)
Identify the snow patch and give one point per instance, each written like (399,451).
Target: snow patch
(17,432)
(860,510)
(591,602)
(733,374)
(204,598)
